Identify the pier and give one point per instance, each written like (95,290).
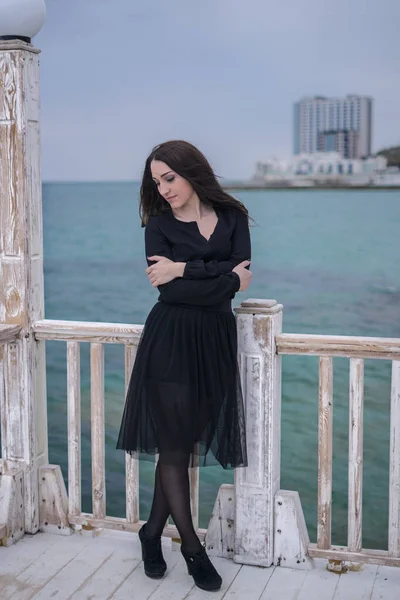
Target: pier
(257,533)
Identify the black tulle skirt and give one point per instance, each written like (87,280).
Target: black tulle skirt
(184,393)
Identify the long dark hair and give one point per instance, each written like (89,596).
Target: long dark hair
(186,160)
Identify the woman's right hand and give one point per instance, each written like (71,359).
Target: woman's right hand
(244,275)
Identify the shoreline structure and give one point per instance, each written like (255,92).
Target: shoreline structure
(249,185)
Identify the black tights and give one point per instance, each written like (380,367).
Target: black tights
(172,497)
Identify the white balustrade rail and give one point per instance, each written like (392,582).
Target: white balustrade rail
(261,345)
(98,334)
(356,349)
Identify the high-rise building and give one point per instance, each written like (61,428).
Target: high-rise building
(334,124)
(345,142)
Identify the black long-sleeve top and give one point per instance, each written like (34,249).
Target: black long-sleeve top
(208,280)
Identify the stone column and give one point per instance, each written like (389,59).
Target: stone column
(24,418)
(258,322)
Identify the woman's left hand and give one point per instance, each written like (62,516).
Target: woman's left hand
(164,271)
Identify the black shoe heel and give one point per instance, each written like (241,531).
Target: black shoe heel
(202,570)
(153,560)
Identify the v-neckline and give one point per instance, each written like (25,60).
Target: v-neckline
(213,231)
(197,225)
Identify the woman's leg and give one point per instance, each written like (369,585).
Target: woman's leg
(172,489)
(174,479)
(159,510)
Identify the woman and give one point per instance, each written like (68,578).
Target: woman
(184,398)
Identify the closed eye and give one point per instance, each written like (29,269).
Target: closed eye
(169,179)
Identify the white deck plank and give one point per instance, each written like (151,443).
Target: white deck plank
(177,585)
(16,558)
(40,571)
(85,564)
(284,584)
(249,583)
(137,580)
(387,584)
(356,585)
(124,542)
(319,583)
(228,571)
(104,582)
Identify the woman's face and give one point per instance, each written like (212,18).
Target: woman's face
(172,187)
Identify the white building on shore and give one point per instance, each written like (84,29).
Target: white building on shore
(325,168)
(341,125)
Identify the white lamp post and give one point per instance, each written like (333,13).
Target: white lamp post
(23,378)
(21,19)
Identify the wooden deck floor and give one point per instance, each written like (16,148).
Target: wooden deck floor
(83,567)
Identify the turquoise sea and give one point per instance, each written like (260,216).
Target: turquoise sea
(332,258)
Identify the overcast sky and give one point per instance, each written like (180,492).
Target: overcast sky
(119,76)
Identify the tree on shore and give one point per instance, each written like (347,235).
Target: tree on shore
(392,155)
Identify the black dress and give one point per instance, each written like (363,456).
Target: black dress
(184,392)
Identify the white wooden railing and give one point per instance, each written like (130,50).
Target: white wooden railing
(99,334)
(261,345)
(45,501)
(356,349)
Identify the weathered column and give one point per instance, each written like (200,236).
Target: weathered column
(258,322)
(24,418)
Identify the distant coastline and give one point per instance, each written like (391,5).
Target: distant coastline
(235,185)
(248,186)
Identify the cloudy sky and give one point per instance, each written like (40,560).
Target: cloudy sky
(119,76)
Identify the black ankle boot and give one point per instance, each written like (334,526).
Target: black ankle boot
(202,570)
(154,563)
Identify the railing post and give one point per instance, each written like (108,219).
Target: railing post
(24,441)
(258,322)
